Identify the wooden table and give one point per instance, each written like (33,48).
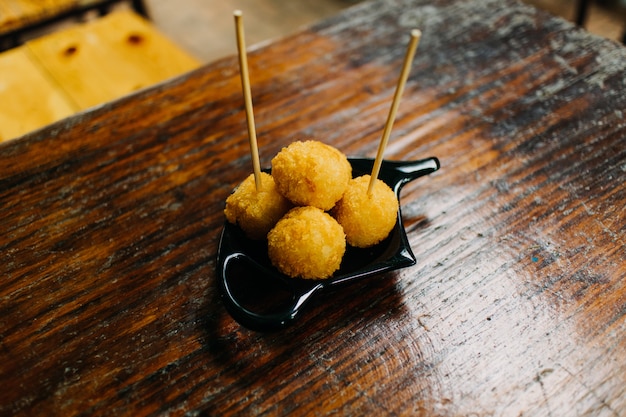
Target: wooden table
(517,304)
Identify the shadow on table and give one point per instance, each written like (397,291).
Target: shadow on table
(340,332)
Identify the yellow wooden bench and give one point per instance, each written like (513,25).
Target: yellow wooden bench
(53,76)
(19,17)
(28,99)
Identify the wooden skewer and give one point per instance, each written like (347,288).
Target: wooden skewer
(247,95)
(408,59)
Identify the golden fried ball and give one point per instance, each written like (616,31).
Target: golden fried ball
(311,173)
(306,243)
(256,212)
(366,218)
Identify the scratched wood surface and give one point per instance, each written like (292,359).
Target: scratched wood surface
(517,305)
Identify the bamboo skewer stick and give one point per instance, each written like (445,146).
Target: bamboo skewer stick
(408,59)
(247,95)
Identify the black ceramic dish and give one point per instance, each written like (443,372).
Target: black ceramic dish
(261,298)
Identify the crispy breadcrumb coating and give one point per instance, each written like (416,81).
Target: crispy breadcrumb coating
(311,173)
(366,218)
(256,212)
(306,243)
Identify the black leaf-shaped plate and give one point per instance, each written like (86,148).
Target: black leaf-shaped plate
(261,298)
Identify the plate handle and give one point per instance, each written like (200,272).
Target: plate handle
(411,170)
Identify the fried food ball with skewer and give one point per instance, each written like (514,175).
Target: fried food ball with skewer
(306,243)
(311,173)
(366,218)
(256,211)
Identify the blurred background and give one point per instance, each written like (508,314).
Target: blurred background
(205,28)
(40,83)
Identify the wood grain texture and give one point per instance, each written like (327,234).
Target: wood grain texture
(517,305)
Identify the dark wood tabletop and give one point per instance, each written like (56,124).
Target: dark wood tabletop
(111,220)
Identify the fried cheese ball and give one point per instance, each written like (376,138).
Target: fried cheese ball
(256,212)
(311,173)
(306,243)
(366,218)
